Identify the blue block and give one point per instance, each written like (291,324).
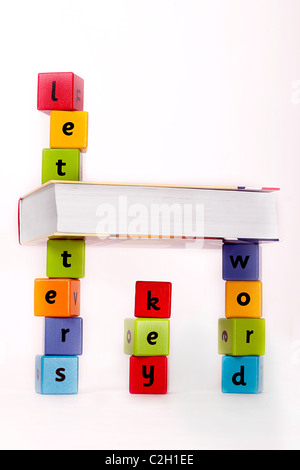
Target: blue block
(56,375)
(63,336)
(242,374)
(241,261)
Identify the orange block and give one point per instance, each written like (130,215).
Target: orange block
(69,129)
(243,299)
(57,297)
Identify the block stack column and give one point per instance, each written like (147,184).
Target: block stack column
(147,338)
(241,335)
(57,297)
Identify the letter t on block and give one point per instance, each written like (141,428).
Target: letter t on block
(65,258)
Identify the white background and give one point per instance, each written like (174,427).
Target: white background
(188,92)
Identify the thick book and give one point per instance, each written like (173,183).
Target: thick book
(101,212)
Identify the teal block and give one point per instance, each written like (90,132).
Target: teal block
(242,374)
(56,375)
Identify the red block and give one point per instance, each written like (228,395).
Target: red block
(153,299)
(148,374)
(63,91)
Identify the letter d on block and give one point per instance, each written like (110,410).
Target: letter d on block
(242,374)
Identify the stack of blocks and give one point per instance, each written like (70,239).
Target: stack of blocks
(57,297)
(241,335)
(147,338)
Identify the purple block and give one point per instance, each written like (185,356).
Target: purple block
(63,336)
(241,261)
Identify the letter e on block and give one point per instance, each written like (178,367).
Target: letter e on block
(57,297)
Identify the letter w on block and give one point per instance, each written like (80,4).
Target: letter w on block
(241,261)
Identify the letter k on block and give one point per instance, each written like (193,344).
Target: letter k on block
(153,299)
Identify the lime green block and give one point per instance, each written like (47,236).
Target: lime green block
(146,336)
(65,258)
(129,336)
(241,336)
(61,164)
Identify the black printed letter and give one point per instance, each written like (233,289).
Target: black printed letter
(60,375)
(149,376)
(68,127)
(51,294)
(152,301)
(241,376)
(53,97)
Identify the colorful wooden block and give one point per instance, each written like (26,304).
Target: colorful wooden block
(153,299)
(241,261)
(63,336)
(65,258)
(56,375)
(148,375)
(69,129)
(56,297)
(242,374)
(62,91)
(61,164)
(146,337)
(243,299)
(241,336)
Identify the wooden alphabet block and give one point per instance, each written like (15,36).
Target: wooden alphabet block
(56,297)
(63,336)
(241,261)
(56,375)
(62,91)
(243,299)
(148,375)
(61,164)
(69,129)
(65,258)
(241,336)
(153,299)
(146,336)
(243,374)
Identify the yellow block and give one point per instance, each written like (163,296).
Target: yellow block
(69,129)
(243,299)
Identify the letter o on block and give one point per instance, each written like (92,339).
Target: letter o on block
(243,299)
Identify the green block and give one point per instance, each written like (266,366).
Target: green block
(241,336)
(61,164)
(65,258)
(146,336)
